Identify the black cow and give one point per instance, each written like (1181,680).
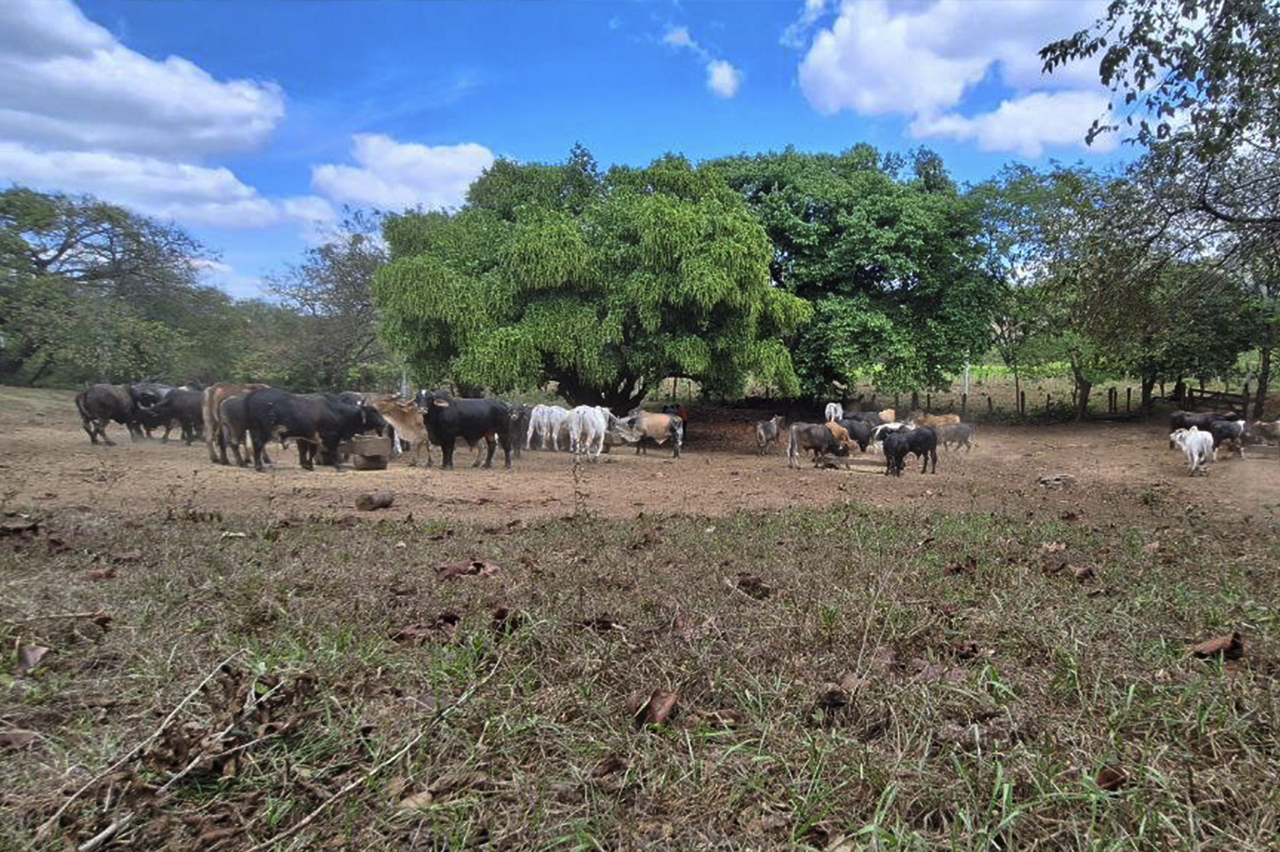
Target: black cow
(448,419)
(102,403)
(1199,419)
(1233,431)
(233,424)
(922,441)
(183,405)
(313,420)
(859,430)
(520,415)
(816,437)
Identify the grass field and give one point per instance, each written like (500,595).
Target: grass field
(843,678)
(875,667)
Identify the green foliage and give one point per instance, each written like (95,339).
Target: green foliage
(92,291)
(330,339)
(1199,72)
(603,284)
(887,255)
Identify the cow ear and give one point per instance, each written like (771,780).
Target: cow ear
(440,402)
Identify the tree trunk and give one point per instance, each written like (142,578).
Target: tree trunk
(1264,373)
(1083,386)
(1148,385)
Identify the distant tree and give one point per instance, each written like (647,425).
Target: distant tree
(601,284)
(331,291)
(88,289)
(886,250)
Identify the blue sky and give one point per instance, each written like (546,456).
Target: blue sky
(252,123)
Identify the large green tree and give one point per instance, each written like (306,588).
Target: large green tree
(602,284)
(886,250)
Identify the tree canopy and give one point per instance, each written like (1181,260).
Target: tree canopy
(601,283)
(91,290)
(1199,72)
(885,250)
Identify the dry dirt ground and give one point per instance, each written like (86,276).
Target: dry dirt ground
(1120,470)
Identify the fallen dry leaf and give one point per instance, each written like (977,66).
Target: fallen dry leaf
(1052,547)
(97,575)
(1083,573)
(127,556)
(727,718)
(417,800)
(29,656)
(753,585)
(17,739)
(656,711)
(1229,647)
(969,567)
(1111,778)
(474,568)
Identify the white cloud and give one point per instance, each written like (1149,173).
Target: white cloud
(922,60)
(679,37)
(67,83)
(1025,125)
(722,78)
(391,175)
(186,193)
(797,33)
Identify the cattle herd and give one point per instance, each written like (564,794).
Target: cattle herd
(244,418)
(919,435)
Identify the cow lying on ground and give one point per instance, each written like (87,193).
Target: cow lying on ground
(657,428)
(1265,431)
(1228,432)
(1199,419)
(767,432)
(448,419)
(922,441)
(955,433)
(1197,445)
(821,439)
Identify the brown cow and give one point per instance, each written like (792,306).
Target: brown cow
(213,397)
(919,418)
(406,418)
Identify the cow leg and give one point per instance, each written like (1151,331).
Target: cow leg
(491,443)
(259,443)
(508,449)
(91,429)
(446,452)
(304,455)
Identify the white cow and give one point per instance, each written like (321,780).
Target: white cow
(835,412)
(546,421)
(587,427)
(1197,445)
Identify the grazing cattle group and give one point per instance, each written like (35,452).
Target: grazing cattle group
(245,418)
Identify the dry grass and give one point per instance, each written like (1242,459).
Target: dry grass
(892,678)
